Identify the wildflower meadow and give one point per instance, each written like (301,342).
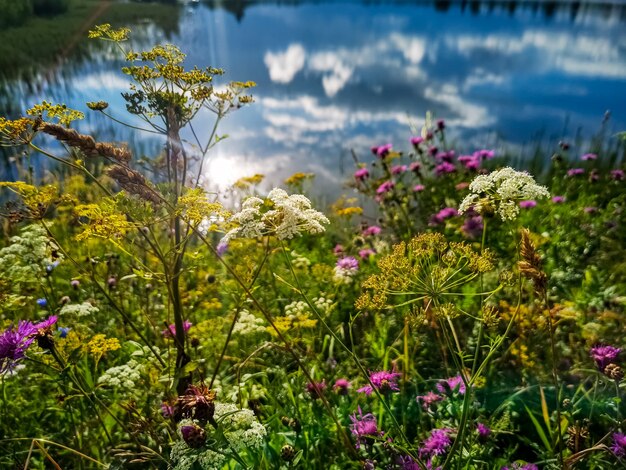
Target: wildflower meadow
(449,311)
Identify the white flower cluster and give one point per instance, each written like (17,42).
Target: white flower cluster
(502,190)
(322,304)
(79,310)
(296,309)
(287,217)
(299,261)
(343,275)
(248,324)
(124,377)
(241,429)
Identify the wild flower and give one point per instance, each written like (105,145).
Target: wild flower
(372,230)
(79,310)
(385,187)
(575,171)
(415,167)
(419,188)
(382,150)
(283,216)
(42,302)
(519,466)
(416,140)
(444,168)
(470,162)
(13,344)
(345,269)
(125,378)
(436,444)
(445,156)
(170,331)
(342,386)
(604,355)
(221,248)
(590,210)
(364,427)
(406,462)
(558,199)
(382,381)
(483,430)
(589,156)
(453,384)
(443,214)
(241,427)
(619,444)
(528,204)
(338,250)
(316,390)
(366,253)
(361,174)
(198,402)
(472,227)
(398,169)
(248,324)
(617,175)
(500,191)
(193,435)
(429,399)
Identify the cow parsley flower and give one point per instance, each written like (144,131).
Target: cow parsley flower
(501,191)
(281,215)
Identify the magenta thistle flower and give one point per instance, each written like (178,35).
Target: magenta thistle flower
(416,140)
(575,171)
(429,399)
(443,214)
(604,355)
(338,250)
(382,150)
(452,384)
(383,381)
(589,156)
(170,332)
(483,430)
(484,154)
(361,174)
(13,344)
(406,462)
(415,167)
(366,253)
(419,188)
(444,168)
(349,263)
(617,175)
(385,187)
(528,204)
(363,427)
(441,124)
(398,169)
(371,230)
(470,162)
(619,444)
(472,227)
(558,199)
(316,389)
(445,156)
(341,386)
(436,444)
(590,210)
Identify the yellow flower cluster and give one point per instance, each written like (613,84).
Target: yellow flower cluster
(292,322)
(299,178)
(104,31)
(104,220)
(247,181)
(16,132)
(36,199)
(195,208)
(346,207)
(60,112)
(100,344)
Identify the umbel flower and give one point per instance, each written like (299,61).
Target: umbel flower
(428,270)
(500,192)
(281,215)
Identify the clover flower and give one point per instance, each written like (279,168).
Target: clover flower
(418,188)
(316,390)
(288,216)
(398,169)
(500,191)
(363,427)
(443,214)
(366,253)
(444,168)
(617,175)
(345,269)
(483,430)
(383,381)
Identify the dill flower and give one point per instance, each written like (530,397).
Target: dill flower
(383,381)
(500,191)
(363,427)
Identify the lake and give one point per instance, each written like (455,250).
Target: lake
(337,77)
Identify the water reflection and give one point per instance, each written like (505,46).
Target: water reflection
(333,77)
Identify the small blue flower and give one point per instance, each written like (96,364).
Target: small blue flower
(42,302)
(51,267)
(63,331)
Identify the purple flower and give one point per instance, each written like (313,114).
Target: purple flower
(169,408)
(443,214)
(473,227)
(316,389)
(406,462)
(398,169)
(193,435)
(436,444)
(483,430)
(452,384)
(589,156)
(361,174)
(517,466)
(382,151)
(385,187)
(416,140)
(429,399)
(221,248)
(382,381)
(575,171)
(444,168)
(484,154)
(366,253)
(445,156)
(170,332)
(341,386)
(419,188)
(470,162)
(415,167)
(371,230)
(604,355)
(617,175)
(619,444)
(528,204)
(363,427)
(558,199)
(75,283)
(13,344)
(432,150)
(338,249)
(349,263)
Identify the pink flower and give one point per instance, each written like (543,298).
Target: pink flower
(528,204)
(363,427)
(371,231)
(385,187)
(444,168)
(398,169)
(418,188)
(415,167)
(443,214)
(436,444)
(382,151)
(170,332)
(361,174)
(452,384)
(416,140)
(383,381)
(461,186)
(341,386)
(617,175)
(338,250)
(366,253)
(575,171)
(316,389)
(558,199)
(349,263)
(589,156)
(429,399)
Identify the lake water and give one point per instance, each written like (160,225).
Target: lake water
(340,76)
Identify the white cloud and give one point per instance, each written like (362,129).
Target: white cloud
(338,73)
(101,81)
(283,66)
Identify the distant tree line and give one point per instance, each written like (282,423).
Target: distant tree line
(16,12)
